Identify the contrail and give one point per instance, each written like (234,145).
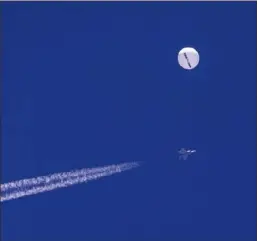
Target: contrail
(32,186)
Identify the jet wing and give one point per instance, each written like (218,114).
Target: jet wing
(183,157)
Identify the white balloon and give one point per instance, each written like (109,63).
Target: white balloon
(188,58)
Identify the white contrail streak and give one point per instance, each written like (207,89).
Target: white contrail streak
(50,178)
(32,186)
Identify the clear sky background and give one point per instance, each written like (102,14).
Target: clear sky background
(92,84)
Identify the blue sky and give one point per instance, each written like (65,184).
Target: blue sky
(92,84)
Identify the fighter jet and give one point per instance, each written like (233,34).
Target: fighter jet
(183,153)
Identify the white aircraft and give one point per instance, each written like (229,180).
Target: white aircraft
(183,153)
